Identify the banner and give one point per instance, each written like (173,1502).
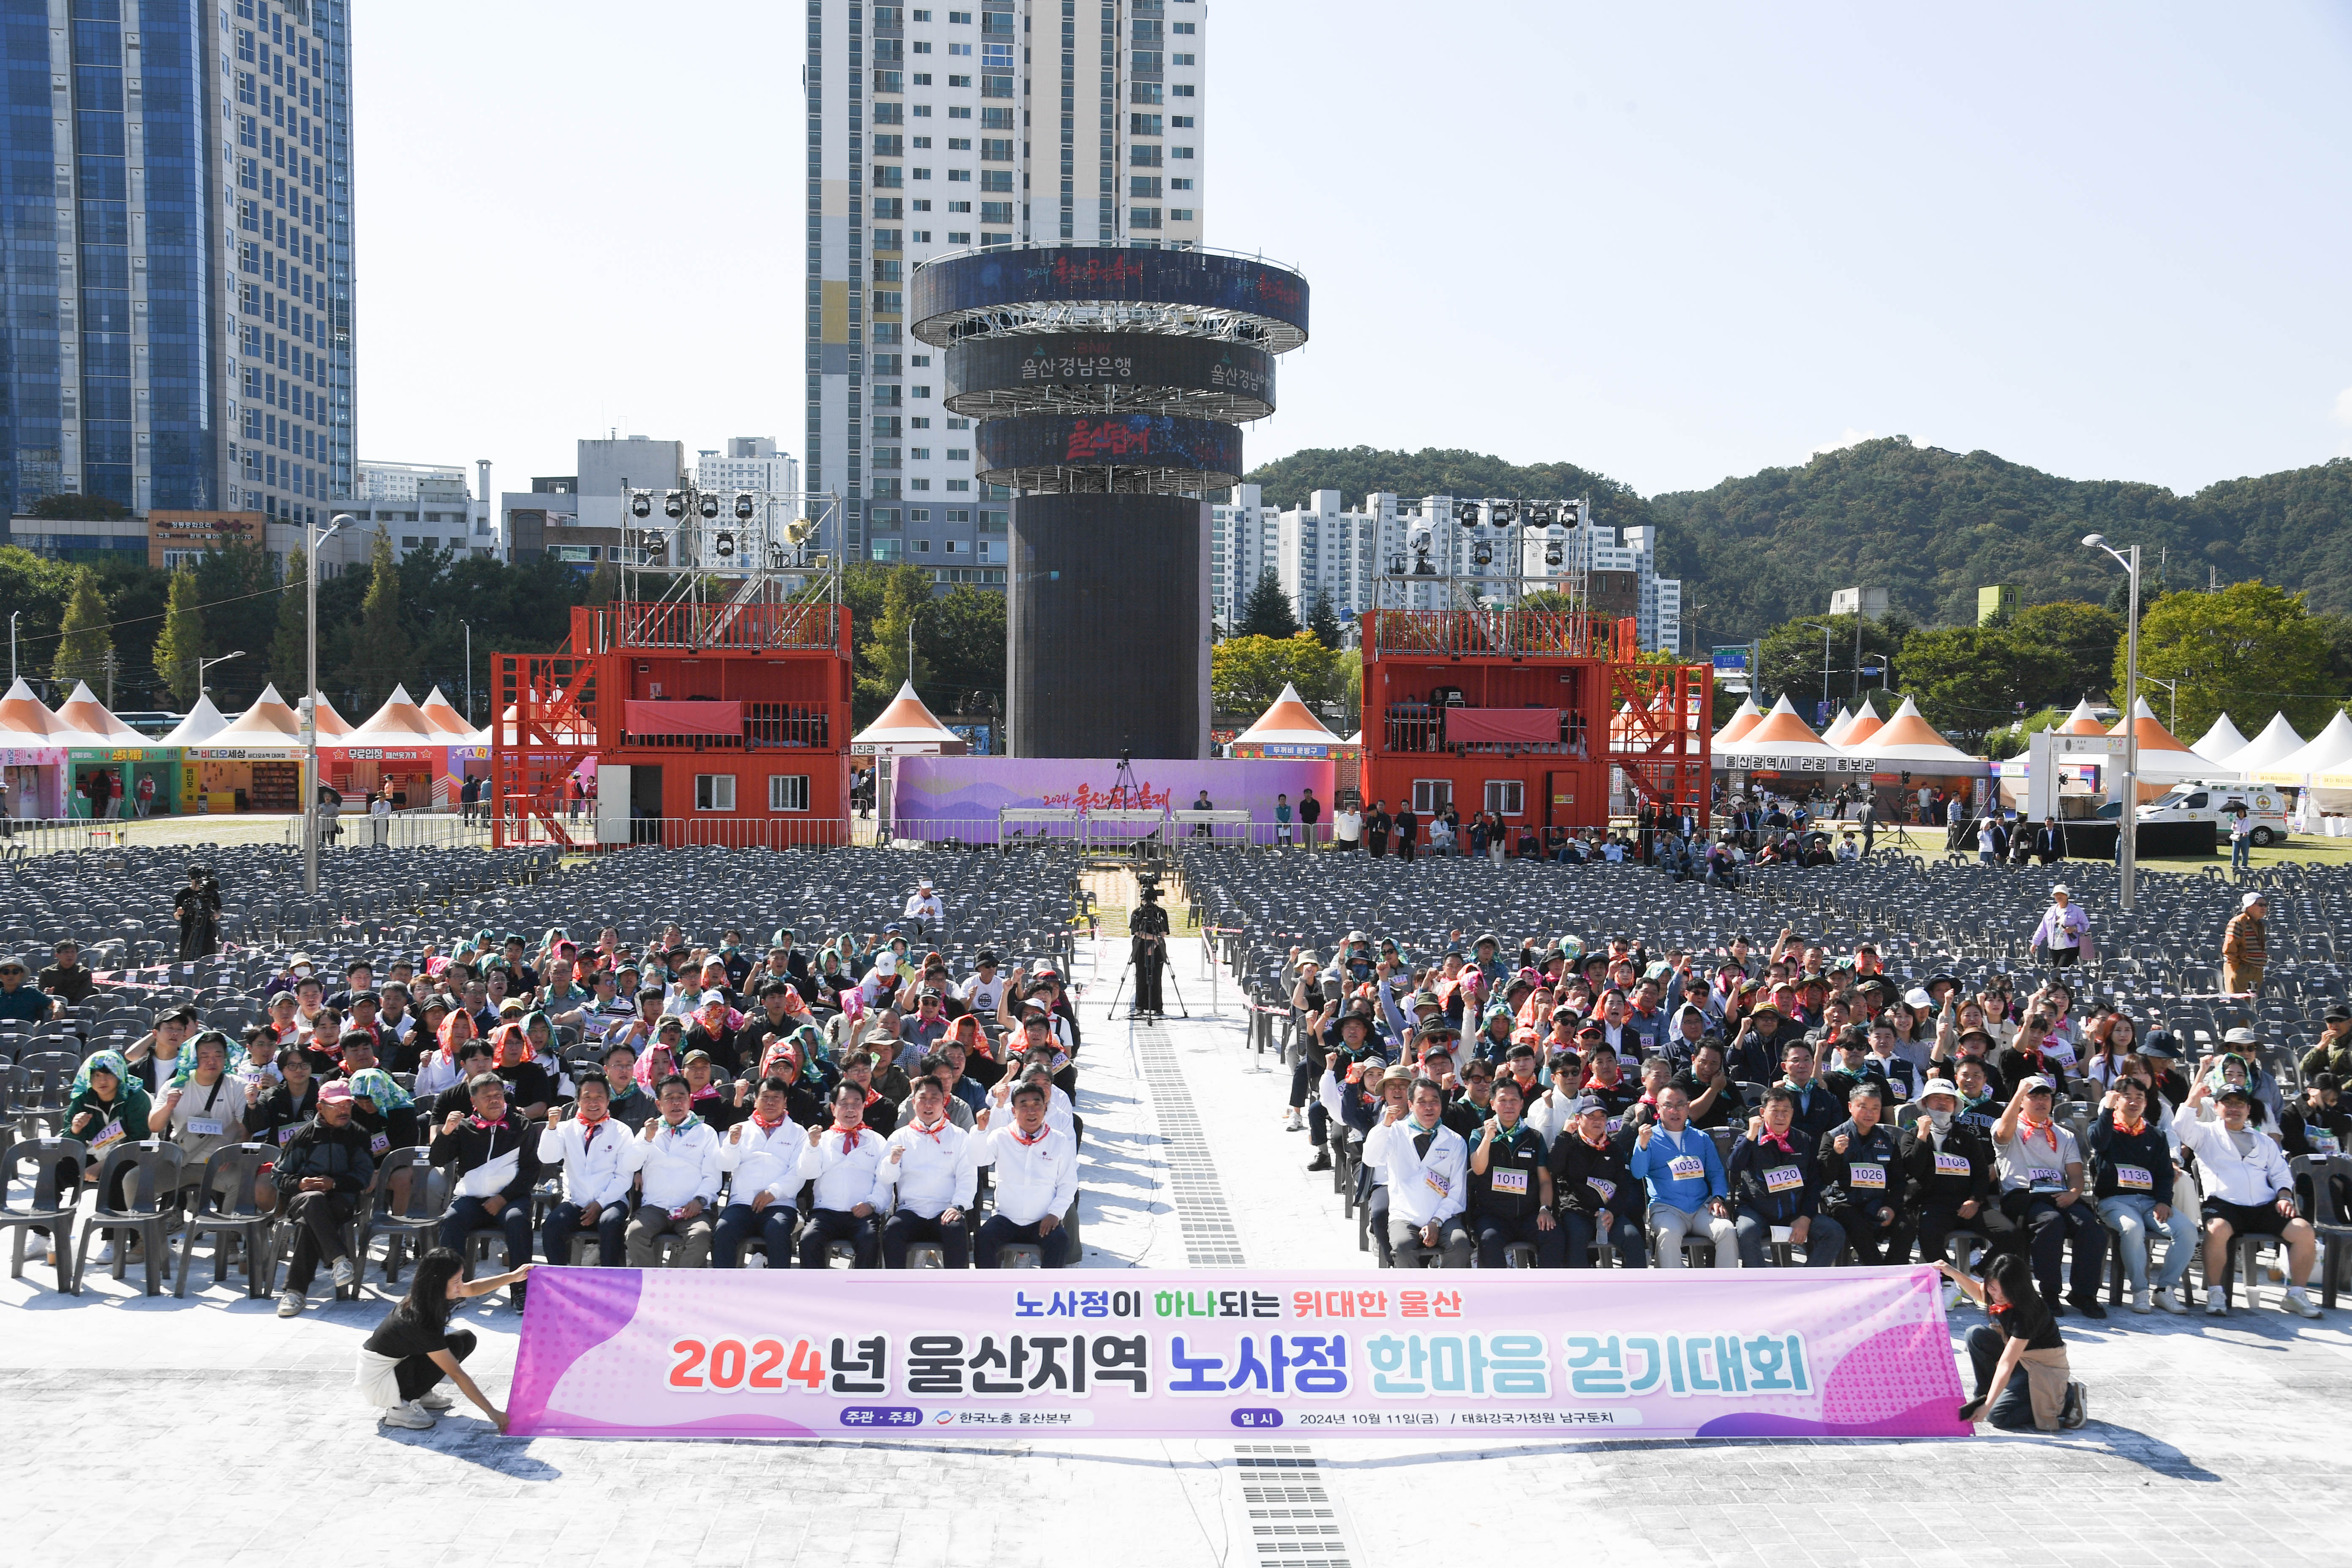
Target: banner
(968,792)
(1811,1352)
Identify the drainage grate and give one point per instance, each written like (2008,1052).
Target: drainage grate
(1210,1240)
(1292,1520)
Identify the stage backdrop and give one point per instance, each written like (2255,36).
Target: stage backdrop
(972,789)
(1785,1352)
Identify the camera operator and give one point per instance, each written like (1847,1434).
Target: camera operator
(1148,946)
(199,907)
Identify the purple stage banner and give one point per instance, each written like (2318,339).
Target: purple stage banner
(1809,1353)
(971,790)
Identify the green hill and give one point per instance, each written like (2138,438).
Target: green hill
(1929,526)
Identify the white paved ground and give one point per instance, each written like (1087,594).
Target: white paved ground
(205,1431)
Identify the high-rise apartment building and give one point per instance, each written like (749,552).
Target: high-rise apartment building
(748,463)
(1015,122)
(177,225)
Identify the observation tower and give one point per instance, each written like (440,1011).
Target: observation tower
(1108,384)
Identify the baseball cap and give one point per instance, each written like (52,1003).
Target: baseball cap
(708,997)
(2250,900)
(2241,1037)
(1586,1104)
(1939,1085)
(2233,1091)
(337,1091)
(886,963)
(2037,1084)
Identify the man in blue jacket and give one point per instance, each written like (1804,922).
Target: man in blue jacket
(1688,1195)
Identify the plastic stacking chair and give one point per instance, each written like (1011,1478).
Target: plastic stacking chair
(226,1209)
(150,1172)
(52,1166)
(415,1226)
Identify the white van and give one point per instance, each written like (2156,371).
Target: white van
(2217,804)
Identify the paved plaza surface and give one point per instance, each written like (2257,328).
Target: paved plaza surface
(205,1431)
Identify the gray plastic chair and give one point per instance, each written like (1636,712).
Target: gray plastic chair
(150,1172)
(53,1166)
(226,1208)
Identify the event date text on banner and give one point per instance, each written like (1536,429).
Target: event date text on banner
(1157,1353)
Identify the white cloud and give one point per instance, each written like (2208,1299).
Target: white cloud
(1849,437)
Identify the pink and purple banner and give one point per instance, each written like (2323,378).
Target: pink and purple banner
(970,790)
(1813,1352)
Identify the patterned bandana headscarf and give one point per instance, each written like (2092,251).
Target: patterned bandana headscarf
(107,1061)
(375,1084)
(449,1040)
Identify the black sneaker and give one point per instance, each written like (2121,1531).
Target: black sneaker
(2077,1409)
(2090,1306)
(1322,1160)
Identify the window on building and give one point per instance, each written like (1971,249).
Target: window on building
(1183,90)
(1183,28)
(922,547)
(922,112)
(1431,795)
(1180,60)
(1180,122)
(1180,185)
(922,48)
(918,453)
(1505,796)
(1180,214)
(714,791)
(922,79)
(788,792)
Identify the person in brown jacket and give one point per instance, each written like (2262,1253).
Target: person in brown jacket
(2246,947)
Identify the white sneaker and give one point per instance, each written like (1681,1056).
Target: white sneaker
(1291,1124)
(289,1303)
(105,1253)
(2295,1302)
(2140,1302)
(2215,1304)
(2172,1301)
(436,1401)
(346,1273)
(411,1416)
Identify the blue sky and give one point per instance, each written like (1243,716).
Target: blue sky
(1670,244)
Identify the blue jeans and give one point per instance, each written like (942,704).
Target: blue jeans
(737,1224)
(562,1223)
(2241,854)
(467,1216)
(2013,1410)
(2132,1216)
(1822,1242)
(1625,1238)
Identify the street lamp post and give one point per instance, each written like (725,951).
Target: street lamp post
(205,664)
(2127,818)
(309,802)
(1827,632)
(12,644)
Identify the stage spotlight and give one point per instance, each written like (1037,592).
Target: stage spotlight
(1467,512)
(723,543)
(1554,556)
(744,503)
(1482,553)
(1501,512)
(674,503)
(710,506)
(641,503)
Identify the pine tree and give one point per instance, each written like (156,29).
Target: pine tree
(289,662)
(1325,624)
(1267,612)
(83,639)
(379,644)
(179,645)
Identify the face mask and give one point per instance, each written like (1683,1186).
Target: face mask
(1942,1120)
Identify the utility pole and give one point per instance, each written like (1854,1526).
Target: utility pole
(109,678)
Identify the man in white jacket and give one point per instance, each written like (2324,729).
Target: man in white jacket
(2248,1191)
(677,1156)
(762,1159)
(1428,1170)
(1036,1181)
(841,1162)
(926,1177)
(595,1150)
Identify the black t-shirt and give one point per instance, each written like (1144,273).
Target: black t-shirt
(2031,1322)
(404,1332)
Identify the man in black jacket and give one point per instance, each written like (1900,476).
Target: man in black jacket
(321,1174)
(495,1156)
(1775,1181)
(1861,1179)
(1407,828)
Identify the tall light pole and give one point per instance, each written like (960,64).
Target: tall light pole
(1827,632)
(205,664)
(309,801)
(12,644)
(2127,819)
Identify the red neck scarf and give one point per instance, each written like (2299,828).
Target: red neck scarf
(2029,1129)
(849,1136)
(934,1129)
(1024,1140)
(1779,1140)
(764,1124)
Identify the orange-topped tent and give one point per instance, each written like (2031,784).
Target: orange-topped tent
(1287,729)
(1779,742)
(88,722)
(253,765)
(1908,742)
(1867,723)
(907,725)
(2083,721)
(1744,718)
(32,755)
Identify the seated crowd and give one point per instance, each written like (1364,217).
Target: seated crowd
(684,1106)
(1578,1105)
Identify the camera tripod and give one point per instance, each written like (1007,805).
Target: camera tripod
(1166,978)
